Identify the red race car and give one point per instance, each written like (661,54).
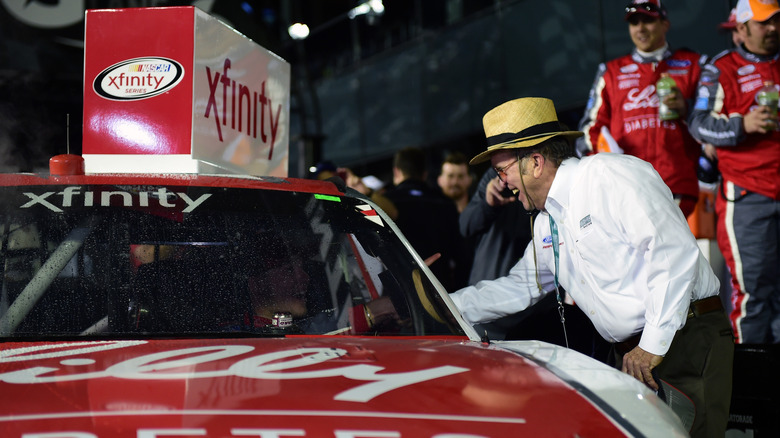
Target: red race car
(170,305)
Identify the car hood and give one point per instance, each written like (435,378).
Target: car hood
(299,386)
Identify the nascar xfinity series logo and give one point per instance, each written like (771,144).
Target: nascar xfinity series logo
(138,78)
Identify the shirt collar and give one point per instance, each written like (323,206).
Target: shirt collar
(558,197)
(655,56)
(752,57)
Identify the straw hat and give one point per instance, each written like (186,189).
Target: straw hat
(521,123)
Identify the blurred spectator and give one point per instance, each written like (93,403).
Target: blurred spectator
(730,26)
(324,170)
(374,183)
(372,187)
(499,225)
(623,104)
(428,219)
(745,134)
(455,179)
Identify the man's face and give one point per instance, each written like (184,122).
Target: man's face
(454,180)
(511,176)
(281,288)
(647,33)
(761,38)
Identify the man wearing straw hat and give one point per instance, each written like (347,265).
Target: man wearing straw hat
(610,233)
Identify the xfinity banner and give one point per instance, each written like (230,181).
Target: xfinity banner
(175,89)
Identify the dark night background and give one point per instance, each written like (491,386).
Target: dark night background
(420,74)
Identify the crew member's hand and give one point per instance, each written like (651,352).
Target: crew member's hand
(710,151)
(493,194)
(758,121)
(639,364)
(676,101)
(354,181)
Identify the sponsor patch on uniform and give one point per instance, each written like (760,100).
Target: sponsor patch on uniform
(701,103)
(622,85)
(746,70)
(585,222)
(547,239)
(750,86)
(674,72)
(630,68)
(678,63)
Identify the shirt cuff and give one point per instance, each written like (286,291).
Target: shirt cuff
(656,340)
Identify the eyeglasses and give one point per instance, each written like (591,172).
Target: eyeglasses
(501,171)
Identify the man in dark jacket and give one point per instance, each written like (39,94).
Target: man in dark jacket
(428,219)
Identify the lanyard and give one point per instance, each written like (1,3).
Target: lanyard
(554,232)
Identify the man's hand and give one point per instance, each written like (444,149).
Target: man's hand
(493,194)
(639,364)
(354,181)
(710,151)
(676,101)
(758,121)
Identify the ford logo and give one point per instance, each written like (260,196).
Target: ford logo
(678,63)
(138,78)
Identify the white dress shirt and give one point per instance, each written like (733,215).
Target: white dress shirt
(627,256)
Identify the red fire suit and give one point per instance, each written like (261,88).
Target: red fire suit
(623,99)
(748,201)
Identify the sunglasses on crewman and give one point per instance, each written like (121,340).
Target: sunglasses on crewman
(643,7)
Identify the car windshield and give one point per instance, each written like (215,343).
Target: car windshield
(145,261)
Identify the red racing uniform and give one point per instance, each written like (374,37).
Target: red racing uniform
(748,201)
(623,100)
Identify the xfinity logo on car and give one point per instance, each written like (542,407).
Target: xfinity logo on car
(72,196)
(138,78)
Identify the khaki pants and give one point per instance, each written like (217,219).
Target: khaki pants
(699,363)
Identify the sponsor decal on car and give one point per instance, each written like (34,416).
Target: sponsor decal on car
(72,196)
(245,103)
(138,78)
(275,365)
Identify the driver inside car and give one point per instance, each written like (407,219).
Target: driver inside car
(279,285)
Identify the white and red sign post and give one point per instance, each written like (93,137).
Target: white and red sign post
(176,90)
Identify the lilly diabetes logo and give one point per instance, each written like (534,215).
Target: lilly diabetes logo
(138,78)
